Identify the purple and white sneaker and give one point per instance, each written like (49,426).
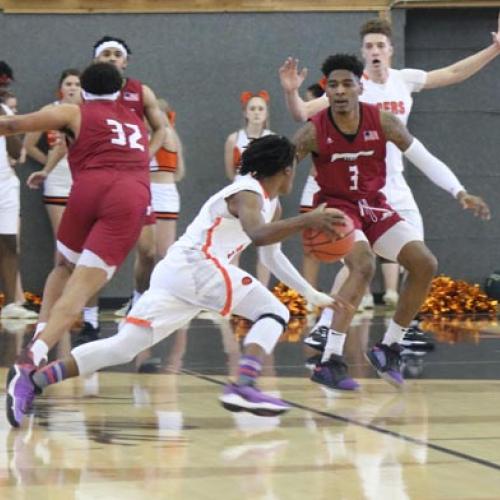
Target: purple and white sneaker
(333,374)
(248,398)
(20,393)
(387,362)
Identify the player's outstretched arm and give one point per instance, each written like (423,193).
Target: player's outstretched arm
(246,205)
(53,118)
(291,80)
(433,168)
(465,68)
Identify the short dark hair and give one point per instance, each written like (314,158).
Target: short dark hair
(101,78)
(266,156)
(107,38)
(68,72)
(316,90)
(342,61)
(377,25)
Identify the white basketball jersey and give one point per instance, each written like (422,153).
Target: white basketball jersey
(394,96)
(6,171)
(215,231)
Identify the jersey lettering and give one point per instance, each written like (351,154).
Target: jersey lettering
(121,138)
(354,171)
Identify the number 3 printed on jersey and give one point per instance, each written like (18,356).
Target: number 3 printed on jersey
(122,139)
(354,171)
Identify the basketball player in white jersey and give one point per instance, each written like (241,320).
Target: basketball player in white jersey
(255,108)
(197,275)
(391,90)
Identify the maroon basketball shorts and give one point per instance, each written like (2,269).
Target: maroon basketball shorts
(374,217)
(105,213)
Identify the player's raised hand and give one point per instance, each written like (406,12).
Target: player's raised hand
(290,77)
(36,179)
(328,220)
(476,204)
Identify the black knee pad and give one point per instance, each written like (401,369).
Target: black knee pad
(277,318)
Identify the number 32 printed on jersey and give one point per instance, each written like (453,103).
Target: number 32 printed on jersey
(127,134)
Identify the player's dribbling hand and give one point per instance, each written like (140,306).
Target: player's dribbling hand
(320,299)
(36,179)
(474,203)
(290,77)
(327,220)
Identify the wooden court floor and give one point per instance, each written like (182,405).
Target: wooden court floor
(154,429)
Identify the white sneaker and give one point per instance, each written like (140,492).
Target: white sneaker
(391,298)
(366,302)
(14,310)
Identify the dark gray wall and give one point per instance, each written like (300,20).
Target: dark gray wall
(201,62)
(460,125)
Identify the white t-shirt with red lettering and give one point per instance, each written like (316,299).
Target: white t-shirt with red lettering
(395,97)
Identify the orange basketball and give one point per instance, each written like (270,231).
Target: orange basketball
(326,249)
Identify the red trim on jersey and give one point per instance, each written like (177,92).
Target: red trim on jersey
(266,194)
(138,321)
(205,249)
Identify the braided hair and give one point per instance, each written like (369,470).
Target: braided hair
(266,156)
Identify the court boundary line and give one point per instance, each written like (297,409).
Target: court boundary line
(371,427)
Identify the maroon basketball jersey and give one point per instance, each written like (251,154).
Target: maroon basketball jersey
(350,167)
(110,136)
(131,97)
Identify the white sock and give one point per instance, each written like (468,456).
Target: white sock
(135,297)
(393,334)
(39,328)
(334,345)
(91,315)
(40,351)
(325,319)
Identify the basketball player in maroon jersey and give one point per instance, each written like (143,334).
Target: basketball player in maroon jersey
(348,146)
(108,156)
(140,99)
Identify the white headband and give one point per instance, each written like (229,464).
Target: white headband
(87,96)
(111,44)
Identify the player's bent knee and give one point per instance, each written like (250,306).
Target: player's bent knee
(425,264)
(362,265)
(268,327)
(278,311)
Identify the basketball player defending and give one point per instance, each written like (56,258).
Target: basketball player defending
(140,99)
(197,275)
(390,89)
(348,146)
(108,156)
